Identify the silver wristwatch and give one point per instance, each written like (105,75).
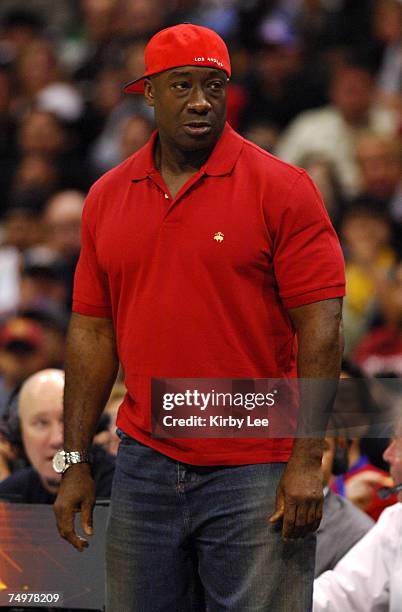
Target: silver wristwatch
(63,459)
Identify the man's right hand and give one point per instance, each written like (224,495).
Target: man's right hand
(76,494)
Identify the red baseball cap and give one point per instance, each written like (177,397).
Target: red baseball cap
(182,45)
(21,331)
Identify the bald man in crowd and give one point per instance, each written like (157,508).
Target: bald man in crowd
(39,431)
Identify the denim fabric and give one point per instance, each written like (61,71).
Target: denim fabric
(184,538)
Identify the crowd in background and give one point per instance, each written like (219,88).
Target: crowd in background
(316,82)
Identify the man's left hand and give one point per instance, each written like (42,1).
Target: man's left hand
(299,499)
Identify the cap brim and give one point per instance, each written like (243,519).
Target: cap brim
(136,87)
(11,343)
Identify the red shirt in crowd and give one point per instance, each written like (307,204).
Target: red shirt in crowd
(380,351)
(186,304)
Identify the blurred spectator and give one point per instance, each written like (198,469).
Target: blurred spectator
(105,150)
(22,228)
(279,86)
(332,131)
(34,173)
(97,48)
(19,27)
(323,173)
(135,132)
(368,578)
(141,18)
(108,438)
(53,321)
(357,414)
(42,279)
(42,84)
(38,431)
(7,133)
(56,17)
(387,26)
(366,237)
(62,224)
(342,523)
(380,351)
(62,220)
(21,354)
(107,91)
(42,134)
(99,19)
(10,261)
(380,161)
(263,134)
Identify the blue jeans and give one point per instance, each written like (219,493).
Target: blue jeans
(184,538)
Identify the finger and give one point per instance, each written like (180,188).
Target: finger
(86,517)
(374,478)
(311,514)
(289,518)
(65,526)
(279,508)
(301,527)
(315,518)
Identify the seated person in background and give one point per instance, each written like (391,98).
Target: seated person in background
(380,351)
(380,161)
(366,471)
(108,438)
(342,523)
(369,577)
(22,352)
(366,237)
(39,430)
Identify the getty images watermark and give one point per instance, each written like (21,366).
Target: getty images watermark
(213,399)
(216,408)
(271,408)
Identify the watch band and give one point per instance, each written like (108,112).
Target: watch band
(72,457)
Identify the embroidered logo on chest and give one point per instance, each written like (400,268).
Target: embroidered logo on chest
(219,237)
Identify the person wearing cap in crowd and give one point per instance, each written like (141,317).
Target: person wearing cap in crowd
(37,432)
(21,354)
(369,577)
(202,256)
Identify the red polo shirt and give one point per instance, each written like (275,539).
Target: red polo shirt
(185,305)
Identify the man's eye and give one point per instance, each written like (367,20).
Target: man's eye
(216,85)
(181,86)
(40,423)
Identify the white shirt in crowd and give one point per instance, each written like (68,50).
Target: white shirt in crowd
(324,132)
(369,577)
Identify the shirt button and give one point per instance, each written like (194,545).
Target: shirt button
(166,196)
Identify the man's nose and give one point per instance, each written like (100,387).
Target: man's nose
(56,436)
(198,101)
(387,454)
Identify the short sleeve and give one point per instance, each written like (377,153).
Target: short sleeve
(308,260)
(91,290)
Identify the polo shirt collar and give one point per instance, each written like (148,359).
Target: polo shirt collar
(225,153)
(221,161)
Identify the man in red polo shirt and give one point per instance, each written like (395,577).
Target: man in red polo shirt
(202,257)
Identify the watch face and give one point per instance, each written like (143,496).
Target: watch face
(59,462)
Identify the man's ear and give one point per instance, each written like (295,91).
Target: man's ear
(149,92)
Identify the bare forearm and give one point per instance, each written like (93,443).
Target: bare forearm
(320,347)
(91,369)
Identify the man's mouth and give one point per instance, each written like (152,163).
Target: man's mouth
(197,128)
